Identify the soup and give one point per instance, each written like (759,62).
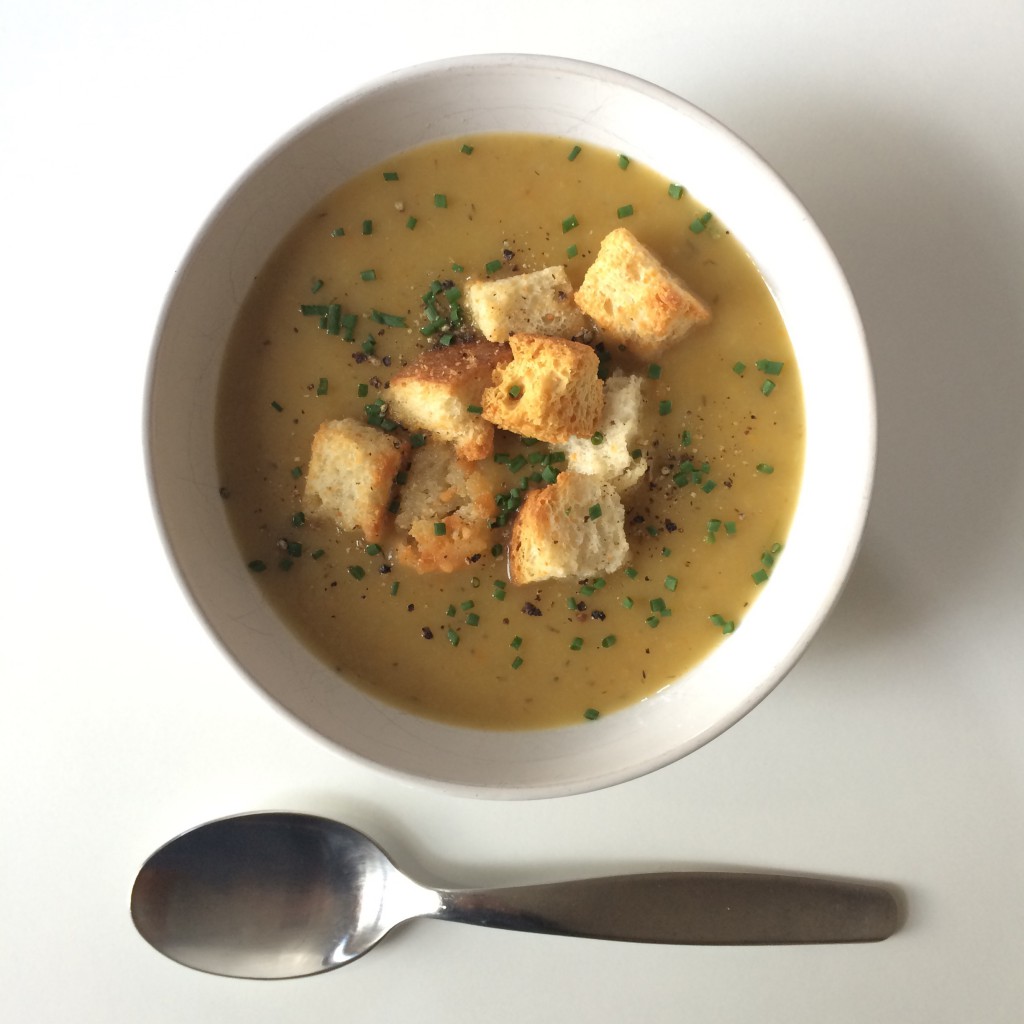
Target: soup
(339,308)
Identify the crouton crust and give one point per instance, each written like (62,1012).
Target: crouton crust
(434,392)
(556,536)
(540,302)
(636,300)
(351,473)
(550,390)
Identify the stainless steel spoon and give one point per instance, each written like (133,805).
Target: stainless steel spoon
(275,895)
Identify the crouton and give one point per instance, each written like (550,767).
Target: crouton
(608,453)
(435,484)
(576,527)
(351,474)
(435,392)
(635,300)
(550,390)
(540,302)
(466,535)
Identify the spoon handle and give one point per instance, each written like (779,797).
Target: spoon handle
(694,908)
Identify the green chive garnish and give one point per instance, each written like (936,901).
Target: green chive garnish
(357,572)
(453,637)
(574,152)
(676,191)
(467,148)
(472,619)
(738,368)
(597,438)
(576,643)
(493,267)
(391,175)
(277,405)
(594,511)
(367,227)
(664,407)
(515,391)
(368,275)
(318,554)
(321,387)
(337,233)
(767,387)
(654,371)
(440,529)
(410,223)
(608,641)
(516,642)
(299,519)
(475,409)
(766,468)
(591,713)
(517,661)
(569,223)
(440,200)
(623,161)
(769,366)
(315,285)
(759,577)
(257,565)
(625,211)
(671,582)
(296,472)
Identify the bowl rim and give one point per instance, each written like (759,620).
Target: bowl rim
(543,64)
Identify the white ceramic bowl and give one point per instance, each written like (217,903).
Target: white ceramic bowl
(589,104)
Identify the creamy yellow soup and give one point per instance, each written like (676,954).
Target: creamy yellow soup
(339,308)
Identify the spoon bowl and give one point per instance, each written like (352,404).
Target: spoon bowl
(280,895)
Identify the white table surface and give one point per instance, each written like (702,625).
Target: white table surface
(893,751)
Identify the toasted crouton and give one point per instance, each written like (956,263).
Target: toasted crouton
(434,393)
(467,535)
(435,484)
(608,453)
(635,300)
(574,527)
(540,302)
(351,475)
(550,390)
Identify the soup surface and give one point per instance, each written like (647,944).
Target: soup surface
(722,428)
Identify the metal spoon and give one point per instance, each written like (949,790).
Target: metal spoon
(276,895)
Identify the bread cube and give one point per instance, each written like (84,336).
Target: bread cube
(575,527)
(635,300)
(540,302)
(435,393)
(351,475)
(550,390)
(611,458)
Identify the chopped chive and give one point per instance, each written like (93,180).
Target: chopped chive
(549,474)
(368,275)
(572,251)
(608,641)
(594,511)
(676,191)
(586,589)
(516,642)
(362,390)
(498,594)
(775,548)
(453,637)
(623,161)
(496,551)
(296,472)
(625,211)
(373,549)
(652,621)
(391,175)
(418,440)
(664,407)
(759,577)
(500,584)
(410,222)
(475,409)
(654,371)
(315,285)
(388,319)
(450,611)
(440,200)
(700,223)
(569,223)
(357,572)
(515,391)
(367,227)
(658,604)
(766,468)
(277,405)
(466,148)
(671,583)
(575,152)
(627,602)
(466,605)
(713,525)
(257,565)
(768,560)
(576,643)
(311,310)
(458,268)
(767,387)
(472,619)
(321,387)
(738,367)
(685,439)
(631,573)
(771,366)
(709,486)
(440,529)
(729,627)
(337,233)
(369,346)
(591,713)
(730,527)
(286,564)
(665,552)
(517,661)
(716,620)
(493,267)
(299,519)
(597,438)
(318,554)
(394,588)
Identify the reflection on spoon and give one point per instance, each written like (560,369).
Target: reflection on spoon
(276,895)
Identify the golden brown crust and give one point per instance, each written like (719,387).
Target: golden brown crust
(537,302)
(634,299)
(550,390)
(435,392)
